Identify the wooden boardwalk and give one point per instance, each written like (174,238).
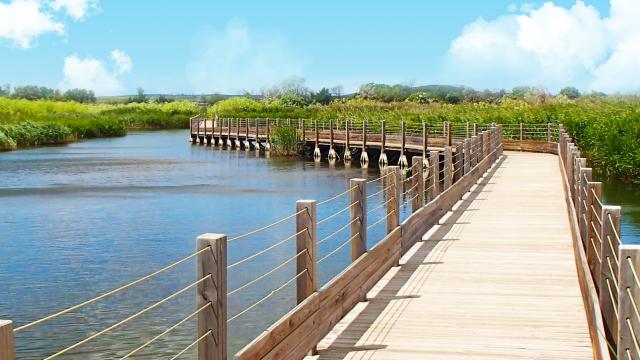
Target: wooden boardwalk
(495,280)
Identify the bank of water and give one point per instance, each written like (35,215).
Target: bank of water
(81,219)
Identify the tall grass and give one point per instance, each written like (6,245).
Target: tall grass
(285,140)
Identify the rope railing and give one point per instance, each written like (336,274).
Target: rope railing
(381,191)
(196,342)
(342,228)
(384,204)
(392,212)
(348,241)
(336,196)
(252,232)
(253,256)
(320,222)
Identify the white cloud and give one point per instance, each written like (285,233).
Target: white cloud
(237,60)
(122,61)
(94,74)
(21,21)
(77,9)
(552,46)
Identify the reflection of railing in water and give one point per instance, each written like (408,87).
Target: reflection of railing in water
(436,182)
(610,267)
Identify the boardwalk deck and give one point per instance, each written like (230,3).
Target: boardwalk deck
(495,280)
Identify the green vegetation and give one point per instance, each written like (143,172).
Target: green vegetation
(44,122)
(285,140)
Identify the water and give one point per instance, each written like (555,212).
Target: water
(78,220)
(627,195)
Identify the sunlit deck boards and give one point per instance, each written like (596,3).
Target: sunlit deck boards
(496,280)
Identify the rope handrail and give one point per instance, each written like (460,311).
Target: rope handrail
(381,219)
(337,213)
(338,248)
(595,250)
(613,227)
(240,288)
(407,200)
(380,178)
(252,232)
(411,189)
(168,330)
(337,231)
(633,271)
(633,335)
(380,206)
(267,249)
(381,191)
(613,251)
(210,332)
(132,317)
(613,277)
(595,196)
(612,298)
(337,196)
(111,292)
(249,308)
(595,213)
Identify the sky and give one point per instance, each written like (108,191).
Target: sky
(197,47)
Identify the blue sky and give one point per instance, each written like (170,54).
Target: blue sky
(213,46)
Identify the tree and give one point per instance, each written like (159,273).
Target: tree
(570,92)
(337,90)
(161,99)
(520,92)
(139,98)
(31,92)
(80,95)
(323,96)
(5,90)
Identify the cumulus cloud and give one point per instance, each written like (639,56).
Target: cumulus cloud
(77,9)
(236,59)
(551,46)
(95,74)
(21,21)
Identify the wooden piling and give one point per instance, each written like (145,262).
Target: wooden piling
(383,156)
(403,162)
(347,145)
(7,341)
(214,291)
(475,129)
(629,296)
(306,241)
(364,158)
(425,140)
(358,217)
(448,167)
(417,183)
(392,183)
(449,135)
(434,183)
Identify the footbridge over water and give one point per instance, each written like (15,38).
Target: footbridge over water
(505,255)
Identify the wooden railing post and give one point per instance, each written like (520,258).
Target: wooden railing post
(306,241)
(486,144)
(434,183)
(467,132)
(585,177)
(467,156)
(332,151)
(7,342)
(521,132)
(475,129)
(629,299)
(403,162)
(383,157)
(579,163)
(548,132)
(594,193)
(480,148)
(449,135)
(457,163)
(473,150)
(608,271)
(425,141)
(392,183)
(212,263)
(448,165)
(358,210)
(268,133)
(417,183)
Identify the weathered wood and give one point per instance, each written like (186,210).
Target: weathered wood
(306,248)
(7,342)
(521,132)
(629,295)
(347,146)
(425,140)
(212,263)
(582,207)
(475,129)
(592,246)
(392,184)
(448,168)
(434,182)
(548,132)
(466,146)
(358,217)
(449,134)
(608,271)
(417,183)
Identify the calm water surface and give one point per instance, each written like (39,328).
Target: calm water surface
(78,220)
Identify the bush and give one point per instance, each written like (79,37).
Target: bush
(285,140)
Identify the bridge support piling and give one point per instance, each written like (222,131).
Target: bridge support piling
(392,184)
(229,144)
(403,162)
(628,296)
(256,145)
(358,217)
(382,162)
(317,155)
(267,144)
(448,167)
(347,146)
(608,273)
(214,318)
(306,248)
(332,151)
(417,183)
(7,341)
(364,158)
(434,184)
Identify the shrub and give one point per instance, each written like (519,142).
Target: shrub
(285,140)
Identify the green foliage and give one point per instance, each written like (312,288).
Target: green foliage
(80,95)
(570,92)
(285,140)
(6,143)
(323,96)
(32,92)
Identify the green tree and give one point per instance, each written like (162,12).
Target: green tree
(570,92)
(323,96)
(80,95)
(32,92)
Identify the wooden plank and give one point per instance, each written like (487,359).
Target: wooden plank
(7,342)
(629,326)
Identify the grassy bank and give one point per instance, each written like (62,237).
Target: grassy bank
(607,129)
(32,123)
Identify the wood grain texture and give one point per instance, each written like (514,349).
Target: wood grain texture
(480,286)
(7,342)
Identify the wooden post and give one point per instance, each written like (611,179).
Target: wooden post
(332,152)
(467,133)
(214,291)
(457,163)
(316,151)
(475,129)
(593,230)
(473,152)
(268,130)
(417,183)
(347,147)
(434,183)
(306,241)
(486,141)
(577,197)
(629,297)
(480,148)
(608,271)
(7,342)
(425,140)
(548,132)
(403,162)
(448,164)
(229,132)
(449,135)
(392,183)
(358,210)
(364,158)
(521,132)
(383,157)
(585,177)
(303,130)
(466,144)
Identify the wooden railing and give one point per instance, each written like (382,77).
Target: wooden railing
(608,267)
